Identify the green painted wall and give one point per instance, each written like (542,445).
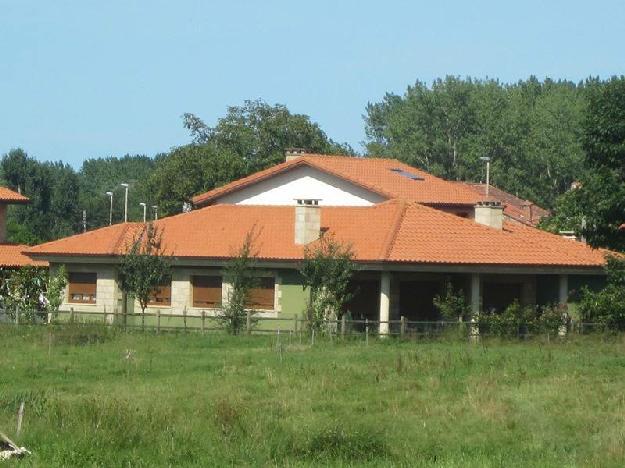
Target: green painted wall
(294,298)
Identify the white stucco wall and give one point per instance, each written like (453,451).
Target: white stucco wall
(302,182)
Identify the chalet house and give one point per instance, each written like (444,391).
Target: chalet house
(12,255)
(410,233)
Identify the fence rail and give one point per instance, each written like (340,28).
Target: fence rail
(157,321)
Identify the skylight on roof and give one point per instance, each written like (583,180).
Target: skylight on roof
(408,175)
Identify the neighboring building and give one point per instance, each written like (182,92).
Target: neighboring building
(515,208)
(410,232)
(12,255)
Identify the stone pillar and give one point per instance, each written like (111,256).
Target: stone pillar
(476,300)
(563,299)
(385,302)
(563,290)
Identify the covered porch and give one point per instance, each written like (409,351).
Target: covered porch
(385,296)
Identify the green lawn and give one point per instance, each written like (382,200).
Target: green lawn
(214,400)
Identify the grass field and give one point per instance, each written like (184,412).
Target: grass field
(96,397)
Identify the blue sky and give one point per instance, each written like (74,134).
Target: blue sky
(81,79)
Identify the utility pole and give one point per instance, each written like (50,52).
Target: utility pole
(84,220)
(155,208)
(125,202)
(487,159)
(110,194)
(145,206)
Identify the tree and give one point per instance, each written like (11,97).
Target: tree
(101,175)
(189,170)
(607,307)
(241,277)
(596,208)
(33,291)
(530,129)
(259,134)
(53,191)
(327,269)
(145,266)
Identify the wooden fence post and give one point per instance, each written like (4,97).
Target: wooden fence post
(158,321)
(295,324)
(367,331)
(248,322)
(184,318)
(203,321)
(343,325)
(17,316)
(402,327)
(104,315)
(71,315)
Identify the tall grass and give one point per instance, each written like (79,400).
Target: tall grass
(124,399)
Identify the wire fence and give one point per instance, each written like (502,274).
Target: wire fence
(204,322)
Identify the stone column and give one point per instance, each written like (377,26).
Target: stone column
(563,300)
(385,302)
(563,290)
(476,299)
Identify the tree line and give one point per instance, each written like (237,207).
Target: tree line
(542,137)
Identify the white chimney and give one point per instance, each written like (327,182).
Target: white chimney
(489,213)
(307,221)
(294,153)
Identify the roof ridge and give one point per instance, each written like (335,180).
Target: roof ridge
(122,236)
(390,241)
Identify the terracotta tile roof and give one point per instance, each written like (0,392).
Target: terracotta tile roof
(9,196)
(381,176)
(12,255)
(514,207)
(395,231)
(107,241)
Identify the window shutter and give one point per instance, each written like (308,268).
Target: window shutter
(161,296)
(82,288)
(207,291)
(263,295)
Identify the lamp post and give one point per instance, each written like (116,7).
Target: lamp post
(144,209)
(487,160)
(110,194)
(125,202)
(155,208)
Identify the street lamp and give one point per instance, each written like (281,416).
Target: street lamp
(155,208)
(110,194)
(144,209)
(125,203)
(487,160)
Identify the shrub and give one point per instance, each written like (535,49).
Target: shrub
(241,277)
(327,270)
(606,307)
(452,304)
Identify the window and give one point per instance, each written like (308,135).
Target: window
(206,291)
(263,295)
(82,288)
(408,175)
(161,296)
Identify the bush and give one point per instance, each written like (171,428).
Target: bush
(518,320)
(606,307)
(452,304)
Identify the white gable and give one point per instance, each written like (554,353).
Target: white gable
(302,182)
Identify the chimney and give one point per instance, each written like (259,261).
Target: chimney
(489,213)
(307,221)
(293,153)
(528,212)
